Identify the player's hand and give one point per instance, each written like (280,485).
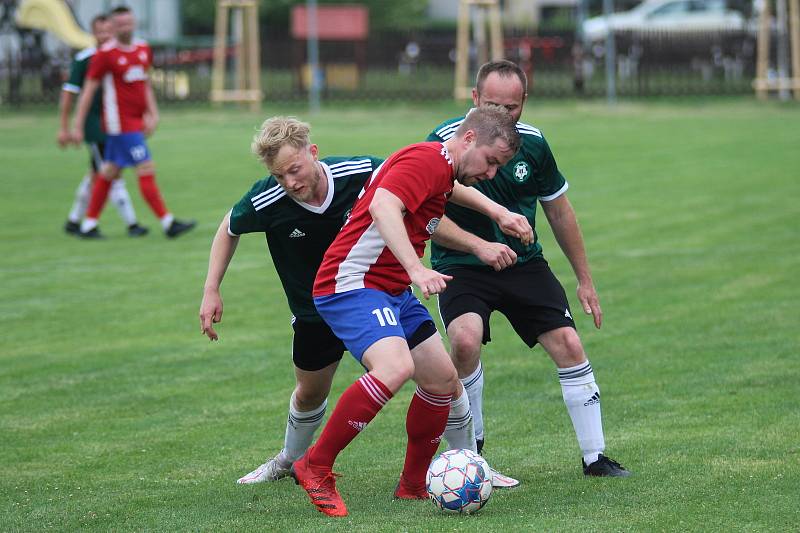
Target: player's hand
(496,255)
(77,136)
(210,313)
(516,225)
(150,124)
(429,281)
(64,138)
(587,296)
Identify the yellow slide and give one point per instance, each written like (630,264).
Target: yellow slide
(53,16)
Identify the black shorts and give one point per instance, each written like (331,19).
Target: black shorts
(96,151)
(529,295)
(314,345)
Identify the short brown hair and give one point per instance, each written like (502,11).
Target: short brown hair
(102,17)
(505,69)
(490,122)
(276,132)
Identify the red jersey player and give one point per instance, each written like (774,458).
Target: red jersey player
(362,292)
(129,113)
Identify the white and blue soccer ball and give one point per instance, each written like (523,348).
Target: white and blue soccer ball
(459,481)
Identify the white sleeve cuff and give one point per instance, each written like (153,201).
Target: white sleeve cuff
(556,194)
(70,88)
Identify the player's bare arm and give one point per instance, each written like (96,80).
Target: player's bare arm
(510,223)
(222,250)
(495,254)
(564,224)
(65,108)
(84,103)
(151,116)
(387,212)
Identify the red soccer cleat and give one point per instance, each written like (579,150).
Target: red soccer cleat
(402,492)
(320,484)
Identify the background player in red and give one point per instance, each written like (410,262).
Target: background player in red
(362,292)
(93,137)
(129,114)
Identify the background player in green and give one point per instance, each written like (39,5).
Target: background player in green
(523,288)
(300,208)
(93,136)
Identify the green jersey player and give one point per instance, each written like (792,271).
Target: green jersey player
(300,207)
(521,286)
(93,136)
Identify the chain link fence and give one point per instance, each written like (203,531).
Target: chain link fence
(420,67)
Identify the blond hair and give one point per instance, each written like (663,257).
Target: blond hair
(276,132)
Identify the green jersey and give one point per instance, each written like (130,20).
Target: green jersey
(530,176)
(298,234)
(92,130)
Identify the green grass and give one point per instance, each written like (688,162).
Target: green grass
(117,415)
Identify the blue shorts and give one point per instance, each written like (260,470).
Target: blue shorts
(362,317)
(126,149)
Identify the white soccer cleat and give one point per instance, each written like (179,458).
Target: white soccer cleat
(272,470)
(499,481)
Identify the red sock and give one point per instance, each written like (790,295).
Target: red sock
(97,200)
(151,194)
(357,406)
(425,423)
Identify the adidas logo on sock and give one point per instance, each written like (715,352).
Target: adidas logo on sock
(437,440)
(296,233)
(358,426)
(593,400)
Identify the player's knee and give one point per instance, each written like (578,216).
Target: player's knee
(570,349)
(443,381)
(308,398)
(465,346)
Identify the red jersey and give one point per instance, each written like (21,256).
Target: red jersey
(422,176)
(122,72)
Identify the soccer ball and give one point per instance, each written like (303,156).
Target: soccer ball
(459,481)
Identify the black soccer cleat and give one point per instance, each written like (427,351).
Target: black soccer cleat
(604,467)
(178,228)
(92,234)
(479,445)
(73,228)
(135,230)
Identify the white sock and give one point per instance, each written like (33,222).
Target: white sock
(81,202)
(460,431)
(582,398)
(300,428)
(88,224)
(122,201)
(166,221)
(473,384)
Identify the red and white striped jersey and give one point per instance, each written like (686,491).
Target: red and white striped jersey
(122,72)
(422,176)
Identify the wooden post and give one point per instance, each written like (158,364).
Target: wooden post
(763,84)
(247,81)
(794,39)
(462,89)
(220,45)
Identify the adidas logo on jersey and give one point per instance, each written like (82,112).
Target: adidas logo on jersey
(593,400)
(358,426)
(566,312)
(296,234)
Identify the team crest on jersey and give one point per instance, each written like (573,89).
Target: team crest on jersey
(521,171)
(142,56)
(135,73)
(346,216)
(122,60)
(432,225)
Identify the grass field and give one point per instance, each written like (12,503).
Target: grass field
(117,415)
